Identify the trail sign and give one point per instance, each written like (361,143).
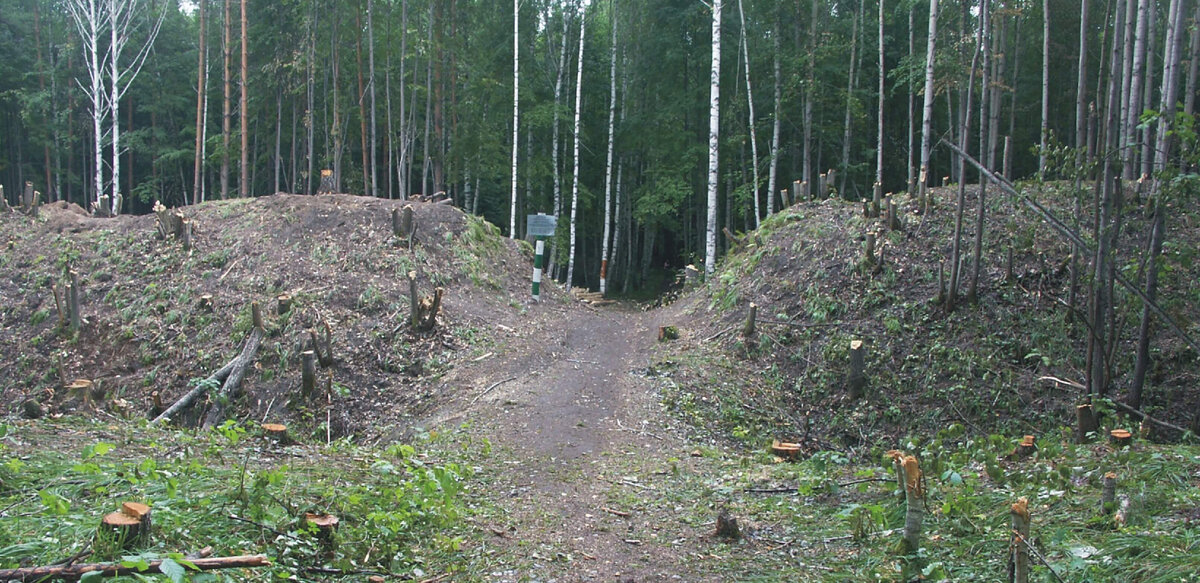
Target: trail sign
(540,225)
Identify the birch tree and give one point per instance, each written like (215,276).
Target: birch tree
(879,115)
(1045,88)
(575,174)
(773,173)
(750,123)
(608,168)
(714,131)
(516,119)
(927,110)
(198,181)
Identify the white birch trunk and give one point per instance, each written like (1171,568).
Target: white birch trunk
(1169,86)
(1138,71)
(714,130)
(753,132)
(608,168)
(512,214)
(371,85)
(557,170)
(911,99)
(575,174)
(773,173)
(927,115)
(855,19)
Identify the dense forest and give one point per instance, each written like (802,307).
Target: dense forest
(648,126)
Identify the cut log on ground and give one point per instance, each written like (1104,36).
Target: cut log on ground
(233,382)
(74,572)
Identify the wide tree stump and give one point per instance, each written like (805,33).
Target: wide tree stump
(727,526)
(276,433)
(127,529)
(327,185)
(324,528)
(1121,438)
(1086,422)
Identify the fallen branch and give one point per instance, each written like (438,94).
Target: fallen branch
(489,389)
(74,572)
(1121,406)
(615,512)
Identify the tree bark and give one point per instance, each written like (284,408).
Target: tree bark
(227,104)
(578,126)
(879,113)
(714,132)
(773,173)
(927,110)
(608,166)
(201,85)
(244,113)
(1142,364)
(516,118)
(371,86)
(1045,131)
(751,122)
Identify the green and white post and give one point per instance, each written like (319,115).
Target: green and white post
(539,226)
(538,261)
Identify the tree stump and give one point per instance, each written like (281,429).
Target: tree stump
(324,528)
(876,199)
(31,409)
(404,224)
(727,526)
(308,374)
(914,502)
(276,433)
(797,193)
(1026,448)
(185,235)
(1121,438)
(73,302)
(667,333)
(83,391)
(856,381)
(1086,423)
(283,304)
(1019,549)
(1108,493)
(323,348)
(869,256)
(256,316)
(127,529)
(205,303)
(423,311)
(748,327)
(822,184)
(327,186)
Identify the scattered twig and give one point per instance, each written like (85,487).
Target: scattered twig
(1038,555)
(333,571)
(850,536)
(615,512)
(638,431)
(484,357)
(261,525)
(114,569)
(441,577)
(631,541)
(719,334)
(230,268)
(630,484)
(489,389)
(576,361)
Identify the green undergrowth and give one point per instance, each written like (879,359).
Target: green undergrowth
(831,518)
(230,489)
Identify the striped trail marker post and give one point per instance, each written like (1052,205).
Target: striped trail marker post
(539,226)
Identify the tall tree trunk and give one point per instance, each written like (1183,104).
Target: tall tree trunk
(278,160)
(426,150)
(201,84)
(985,149)
(227,104)
(1128,103)
(776,125)
(911,106)
(1138,68)
(1142,364)
(927,111)
(963,144)
(516,118)
(557,169)
(310,111)
(714,132)
(1189,102)
(405,147)
(244,188)
(879,113)
(1148,91)
(367,162)
(575,173)
(750,103)
(1169,90)
(809,89)
(608,165)
(855,19)
(1045,133)
(371,87)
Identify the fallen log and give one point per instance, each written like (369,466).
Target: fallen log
(234,381)
(74,572)
(221,378)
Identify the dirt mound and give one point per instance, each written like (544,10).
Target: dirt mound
(982,364)
(156,317)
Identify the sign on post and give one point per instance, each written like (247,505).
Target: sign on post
(539,226)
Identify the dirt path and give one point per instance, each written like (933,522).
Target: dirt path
(581,449)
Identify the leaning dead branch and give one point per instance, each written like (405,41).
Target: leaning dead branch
(228,377)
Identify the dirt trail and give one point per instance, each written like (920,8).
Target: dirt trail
(579,439)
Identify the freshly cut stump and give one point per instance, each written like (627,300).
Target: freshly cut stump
(127,529)
(325,526)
